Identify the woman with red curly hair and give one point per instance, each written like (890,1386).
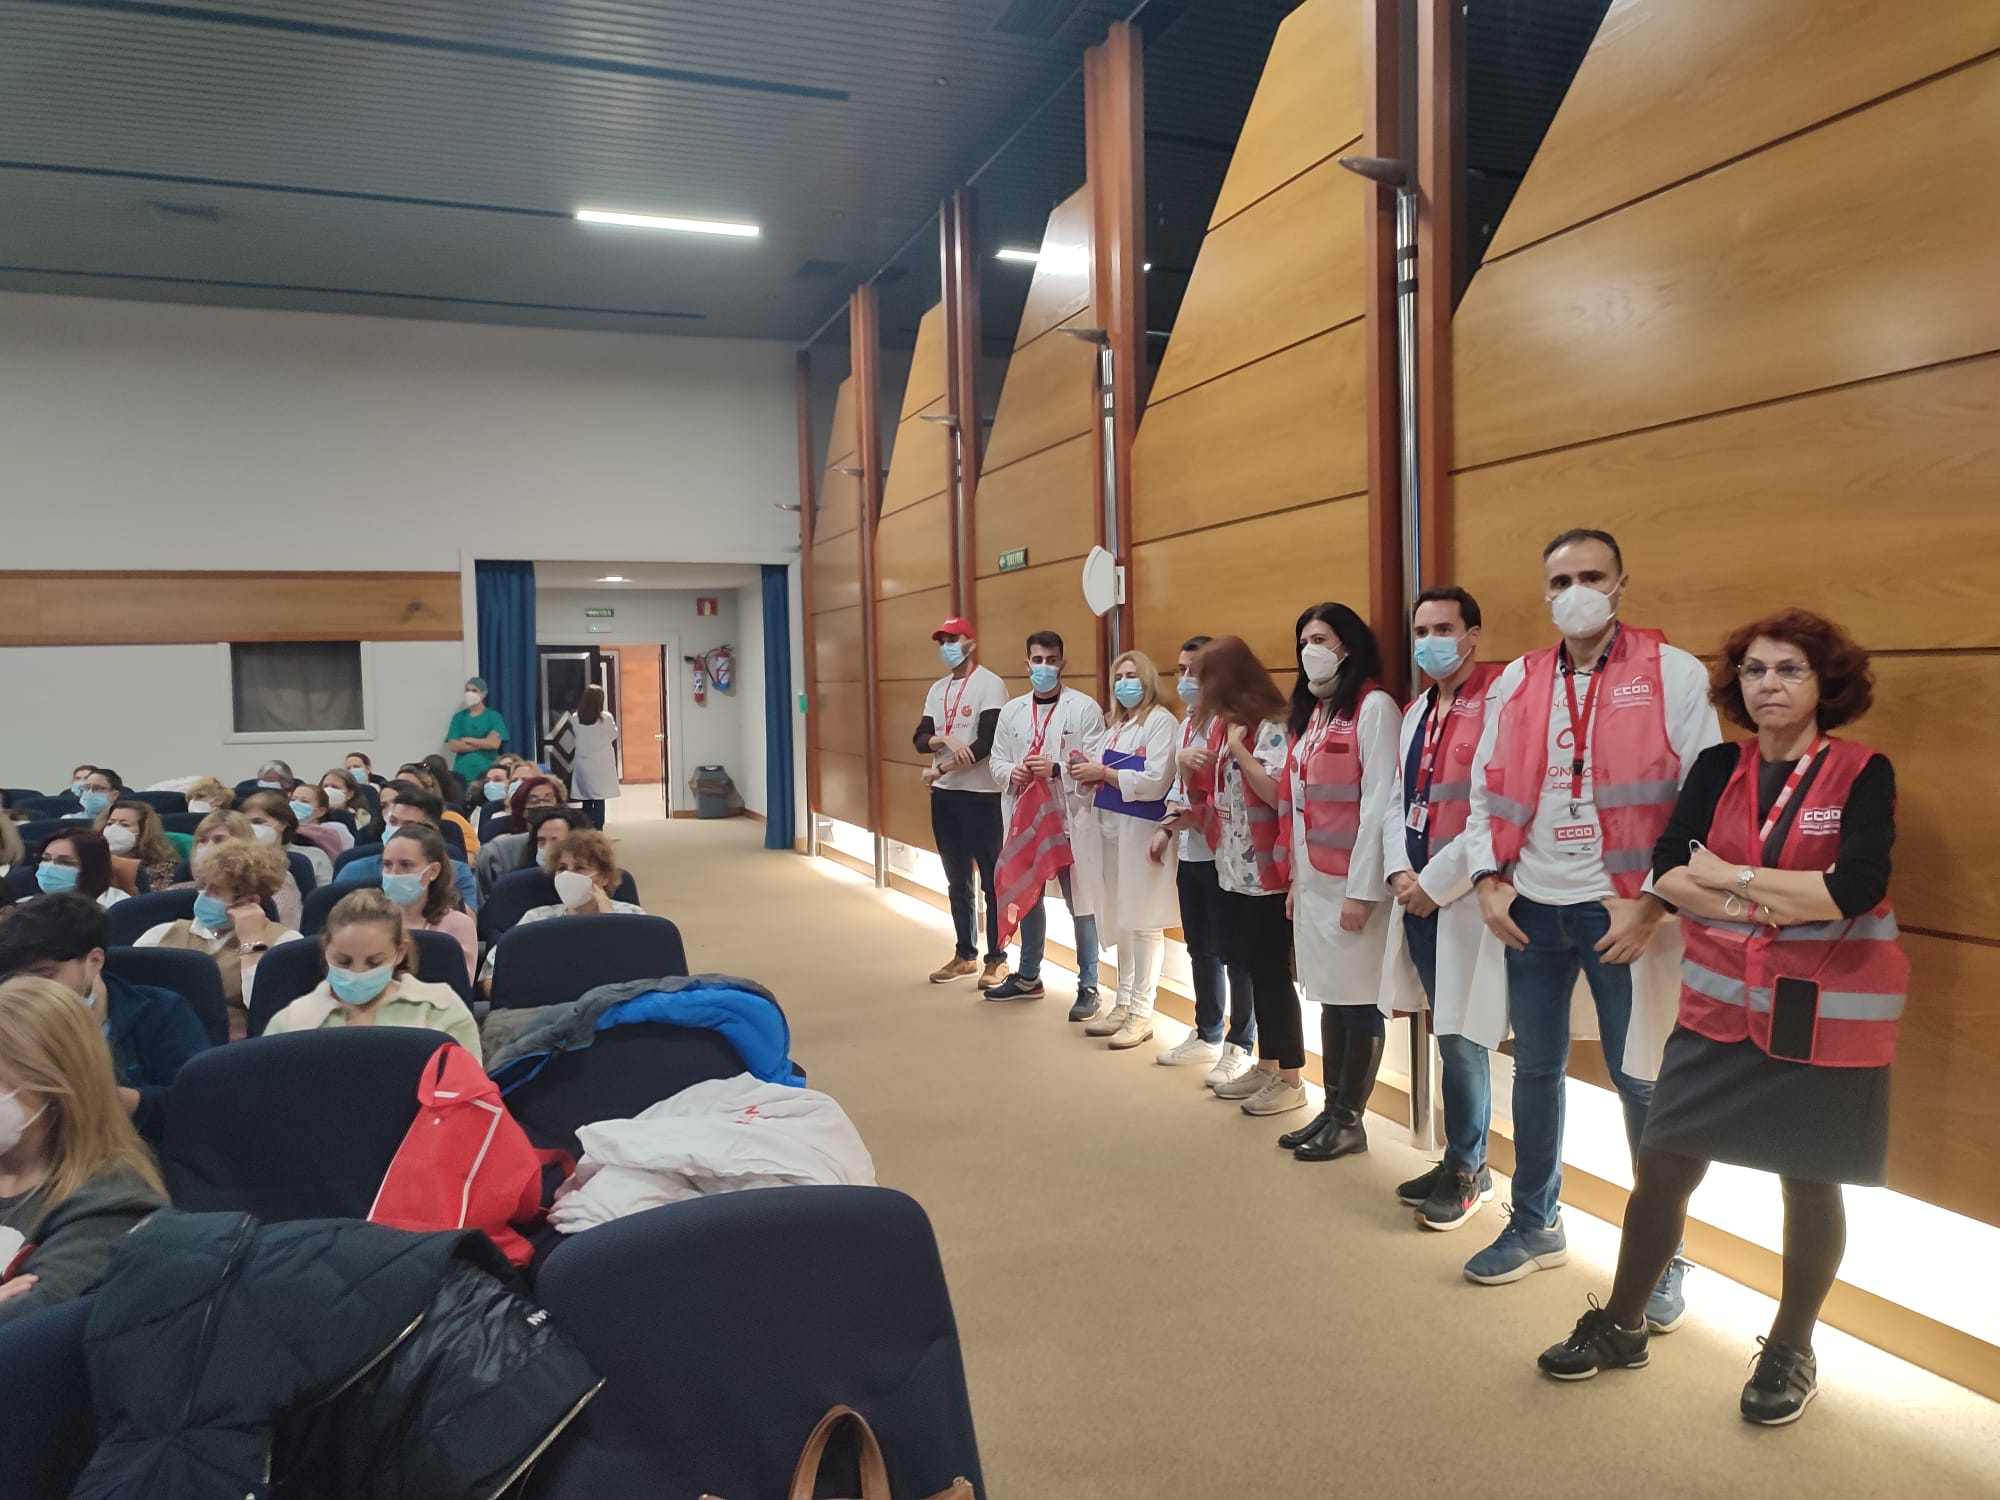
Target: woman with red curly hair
(1778,857)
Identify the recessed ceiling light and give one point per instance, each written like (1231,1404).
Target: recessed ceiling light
(657,221)
(614,578)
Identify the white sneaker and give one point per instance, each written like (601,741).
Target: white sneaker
(1110,1022)
(1231,1065)
(1137,1029)
(1192,1049)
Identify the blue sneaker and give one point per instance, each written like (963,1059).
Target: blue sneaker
(1521,1250)
(1667,1309)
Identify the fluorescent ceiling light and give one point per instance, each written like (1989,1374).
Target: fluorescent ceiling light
(615,578)
(656,221)
(1031,256)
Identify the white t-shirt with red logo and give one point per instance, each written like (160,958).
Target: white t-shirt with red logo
(953,705)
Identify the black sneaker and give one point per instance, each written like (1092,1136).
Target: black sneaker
(1455,1199)
(1014,987)
(1596,1343)
(1417,1191)
(1782,1386)
(1085,1008)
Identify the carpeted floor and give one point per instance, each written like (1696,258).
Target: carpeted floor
(1155,1302)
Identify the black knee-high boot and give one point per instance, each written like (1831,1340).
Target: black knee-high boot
(1346,1135)
(1332,1046)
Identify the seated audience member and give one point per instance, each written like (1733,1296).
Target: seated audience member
(344,794)
(585,866)
(78,860)
(74,1175)
(133,830)
(492,789)
(371,981)
(451,786)
(152,1031)
(404,803)
(76,779)
(235,877)
(222,828)
(209,795)
(533,790)
(508,852)
(97,791)
(416,876)
(12,851)
(361,768)
(424,777)
(273,822)
(311,807)
(275,776)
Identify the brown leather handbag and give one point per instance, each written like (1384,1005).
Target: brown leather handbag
(874,1470)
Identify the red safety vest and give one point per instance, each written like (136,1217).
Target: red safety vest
(1325,764)
(1448,790)
(1732,968)
(1635,773)
(1200,786)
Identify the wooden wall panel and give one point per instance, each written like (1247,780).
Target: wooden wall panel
(903,626)
(842,436)
(837,645)
(1045,503)
(1251,579)
(1060,288)
(1669,90)
(921,465)
(1282,432)
(913,549)
(1944,1109)
(1049,395)
(1805,265)
(839,509)
(925,383)
(843,787)
(1013,605)
(836,564)
(1281,271)
(900,702)
(841,720)
(1898,471)
(1308,104)
(906,806)
(144,608)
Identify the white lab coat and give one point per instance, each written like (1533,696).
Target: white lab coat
(594,765)
(1078,725)
(1656,973)
(1447,880)
(1336,967)
(1134,894)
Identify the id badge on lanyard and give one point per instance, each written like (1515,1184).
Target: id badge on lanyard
(1578,835)
(1418,818)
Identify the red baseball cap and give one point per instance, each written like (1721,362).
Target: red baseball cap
(953,626)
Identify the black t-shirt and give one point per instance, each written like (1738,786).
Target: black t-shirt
(1860,877)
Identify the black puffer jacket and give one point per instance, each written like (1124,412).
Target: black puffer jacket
(233,1360)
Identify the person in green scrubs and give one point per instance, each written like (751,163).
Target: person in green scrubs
(476,733)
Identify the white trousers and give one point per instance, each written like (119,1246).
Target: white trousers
(1140,955)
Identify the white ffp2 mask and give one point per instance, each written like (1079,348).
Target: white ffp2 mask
(1581,610)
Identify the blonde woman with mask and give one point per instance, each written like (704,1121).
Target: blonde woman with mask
(1129,770)
(133,831)
(74,1176)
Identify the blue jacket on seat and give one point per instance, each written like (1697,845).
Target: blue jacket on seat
(152,1033)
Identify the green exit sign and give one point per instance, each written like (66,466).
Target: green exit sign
(599,614)
(1012,562)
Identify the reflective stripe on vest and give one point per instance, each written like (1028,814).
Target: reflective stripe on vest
(1331,798)
(1449,799)
(1635,774)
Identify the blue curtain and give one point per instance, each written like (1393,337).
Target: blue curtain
(506,596)
(779,815)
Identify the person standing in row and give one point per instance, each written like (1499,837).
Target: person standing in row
(1256,920)
(1136,899)
(1192,824)
(1337,793)
(1793,984)
(1033,740)
(961,714)
(1435,931)
(1577,771)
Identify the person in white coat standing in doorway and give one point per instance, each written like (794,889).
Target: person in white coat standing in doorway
(1435,930)
(1132,770)
(594,775)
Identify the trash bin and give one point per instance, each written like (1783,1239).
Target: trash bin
(712,791)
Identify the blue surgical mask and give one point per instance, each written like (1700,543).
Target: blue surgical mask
(76,788)
(1438,655)
(1128,691)
(402,889)
(94,802)
(1044,677)
(496,791)
(951,653)
(359,986)
(272,786)
(303,811)
(212,912)
(55,879)
(1190,691)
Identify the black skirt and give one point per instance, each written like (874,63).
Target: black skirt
(1733,1102)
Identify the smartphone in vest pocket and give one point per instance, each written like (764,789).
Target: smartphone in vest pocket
(1794,1019)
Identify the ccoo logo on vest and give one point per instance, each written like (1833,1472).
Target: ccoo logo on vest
(1631,694)
(1818,822)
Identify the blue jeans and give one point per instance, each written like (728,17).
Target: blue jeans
(1540,978)
(1468,1069)
(1035,936)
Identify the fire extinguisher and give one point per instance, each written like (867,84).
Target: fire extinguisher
(700,678)
(721,664)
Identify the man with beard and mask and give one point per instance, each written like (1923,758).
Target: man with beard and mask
(1579,764)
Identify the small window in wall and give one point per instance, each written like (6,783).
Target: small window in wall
(296,687)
